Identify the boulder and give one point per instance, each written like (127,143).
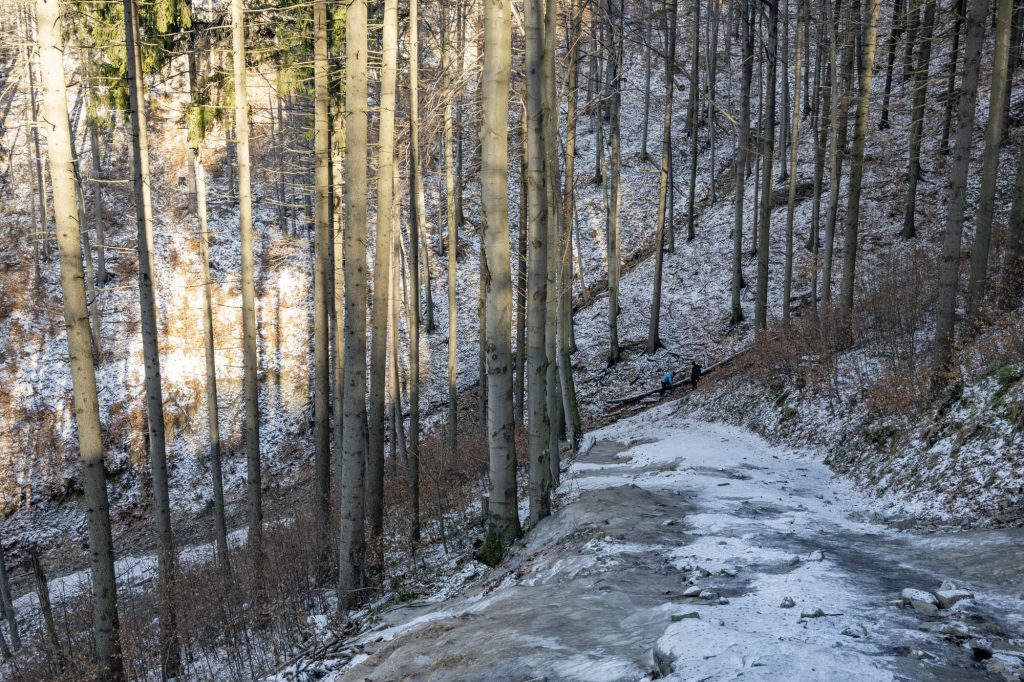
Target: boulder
(676,617)
(709,595)
(949,597)
(693,591)
(924,602)
(816,613)
(816,555)
(787,603)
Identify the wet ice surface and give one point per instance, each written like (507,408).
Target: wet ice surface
(597,592)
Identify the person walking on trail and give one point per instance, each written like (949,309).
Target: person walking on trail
(695,372)
(666,383)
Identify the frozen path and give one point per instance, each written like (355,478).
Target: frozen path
(599,591)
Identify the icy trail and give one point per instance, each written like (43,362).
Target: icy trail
(655,513)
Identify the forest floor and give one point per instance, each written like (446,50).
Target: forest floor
(676,552)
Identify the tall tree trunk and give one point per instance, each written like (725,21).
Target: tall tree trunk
(768,154)
(8,604)
(97,211)
(37,156)
(540,473)
(823,123)
(46,610)
(612,222)
(653,330)
(954,55)
(895,31)
(521,279)
(105,621)
(453,235)
(693,120)
(840,115)
(169,645)
(787,284)
(852,221)
(382,279)
(648,38)
(1012,283)
(220,531)
(746,20)
(338,151)
(978,287)
(949,264)
(503,515)
(321,272)
(917,121)
(570,405)
(552,184)
(413,323)
(352,541)
(250,360)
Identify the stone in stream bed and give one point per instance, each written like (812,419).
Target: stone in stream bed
(816,613)
(708,595)
(947,598)
(676,617)
(693,591)
(923,602)
(816,555)
(787,603)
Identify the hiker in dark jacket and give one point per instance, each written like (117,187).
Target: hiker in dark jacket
(666,383)
(695,371)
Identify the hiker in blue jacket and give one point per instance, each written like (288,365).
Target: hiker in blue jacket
(666,383)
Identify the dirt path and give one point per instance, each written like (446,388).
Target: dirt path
(618,584)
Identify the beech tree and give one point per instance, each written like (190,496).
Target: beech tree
(105,620)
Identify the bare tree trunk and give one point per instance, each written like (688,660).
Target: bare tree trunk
(220,532)
(1012,283)
(840,99)
(552,184)
(954,54)
(653,331)
(978,287)
(569,402)
(540,472)
(381,286)
(693,120)
(895,31)
(852,222)
(521,279)
(37,157)
(768,154)
(338,150)
(321,272)
(97,211)
(742,145)
(413,323)
(644,156)
(170,646)
(787,285)
(250,360)
(453,235)
(352,541)
(503,515)
(917,121)
(949,265)
(46,608)
(612,222)
(105,621)
(7,603)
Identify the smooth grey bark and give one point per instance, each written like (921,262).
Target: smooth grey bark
(503,514)
(352,538)
(521,278)
(537,206)
(612,227)
(338,309)
(768,154)
(220,532)
(552,185)
(924,53)
(978,287)
(250,360)
(413,325)
(742,144)
(169,644)
(852,221)
(949,263)
(321,271)
(653,329)
(787,283)
(105,621)
(382,281)
(694,122)
(840,115)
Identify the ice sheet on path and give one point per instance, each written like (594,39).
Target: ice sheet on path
(592,593)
